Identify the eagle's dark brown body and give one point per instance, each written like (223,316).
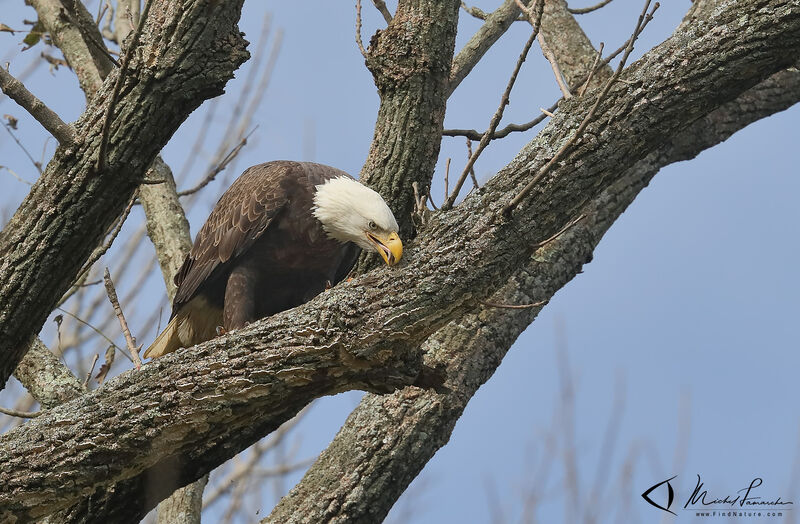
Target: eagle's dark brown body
(260,252)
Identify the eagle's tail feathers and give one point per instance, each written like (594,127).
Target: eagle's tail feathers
(168,341)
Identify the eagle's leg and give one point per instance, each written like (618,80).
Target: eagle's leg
(240,298)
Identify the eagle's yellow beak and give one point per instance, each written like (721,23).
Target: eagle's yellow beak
(389,248)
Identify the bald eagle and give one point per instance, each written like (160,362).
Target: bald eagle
(280,235)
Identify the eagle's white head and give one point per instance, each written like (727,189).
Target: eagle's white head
(352,212)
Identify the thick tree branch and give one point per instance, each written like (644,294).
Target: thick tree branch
(71,205)
(166,221)
(188,415)
(416,91)
(410,61)
(414,423)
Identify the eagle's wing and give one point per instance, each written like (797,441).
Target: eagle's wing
(242,215)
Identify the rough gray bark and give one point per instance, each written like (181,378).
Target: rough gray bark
(46,377)
(363,333)
(167,226)
(185,506)
(72,204)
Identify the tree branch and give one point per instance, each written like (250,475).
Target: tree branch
(46,378)
(67,26)
(37,109)
(166,221)
(494,27)
(380,5)
(410,62)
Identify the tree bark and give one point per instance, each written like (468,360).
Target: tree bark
(70,207)
(166,221)
(188,415)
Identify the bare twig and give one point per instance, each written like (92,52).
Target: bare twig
(17,91)
(107,31)
(238,109)
(200,139)
(530,12)
(584,10)
(510,128)
(508,208)
(476,12)
(91,370)
(487,136)
(261,89)
(247,106)
(358,30)
(101,9)
(12,173)
(480,14)
(495,25)
(446,178)
(58,320)
(112,297)
(420,214)
(101,156)
(472,169)
(380,5)
(54,62)
(551,57)
(560,232)
(36,164)
(633,37)
(472,134)
(592,70)
(20,414)
(102,249)
(219,167)
(243,469)
(90,326)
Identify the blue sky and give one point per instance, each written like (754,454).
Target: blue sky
(687,312)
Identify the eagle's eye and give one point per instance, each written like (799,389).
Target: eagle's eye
(373,225)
